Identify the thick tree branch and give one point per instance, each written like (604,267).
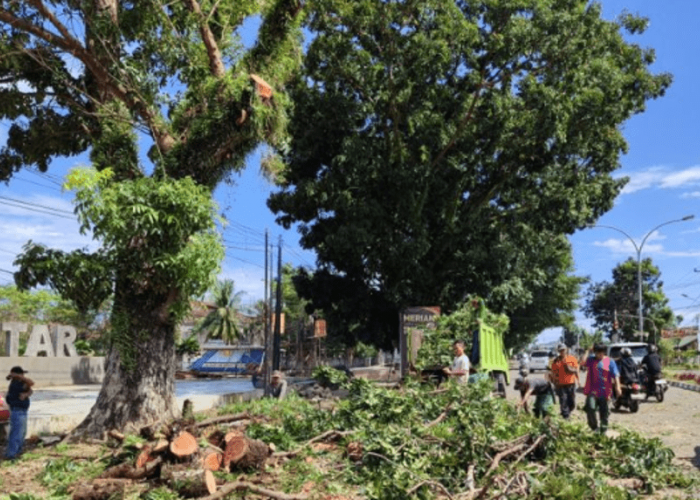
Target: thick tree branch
(104,80)
(216,64)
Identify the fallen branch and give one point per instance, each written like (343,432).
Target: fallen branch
(222,420)
(246,486)
(331,433)
(530,449)
(440,417)
(429,483)
(500,456)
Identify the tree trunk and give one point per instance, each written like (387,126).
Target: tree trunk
(139,384)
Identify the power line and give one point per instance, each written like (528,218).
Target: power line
(44,212)
(246,261)
(36,205)
(47,176)
(37,184)
(6,271)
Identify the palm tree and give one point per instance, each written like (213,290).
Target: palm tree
(222,322)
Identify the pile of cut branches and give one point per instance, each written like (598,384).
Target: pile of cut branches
(386,444)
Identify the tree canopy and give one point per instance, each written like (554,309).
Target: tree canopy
(614,306)
(168,102)
(442,148)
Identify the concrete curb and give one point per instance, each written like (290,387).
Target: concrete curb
(683,385)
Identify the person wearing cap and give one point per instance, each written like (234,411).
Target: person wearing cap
(541,388)
(602,377)
(278,385)
(564,377)
(18,399)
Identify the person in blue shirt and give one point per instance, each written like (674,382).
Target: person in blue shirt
(18,399)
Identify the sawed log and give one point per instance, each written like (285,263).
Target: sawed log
(245,453)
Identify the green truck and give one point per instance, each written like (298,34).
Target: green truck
(481,329)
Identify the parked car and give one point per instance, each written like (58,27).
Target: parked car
(639,350)
(539,360)
(4,411)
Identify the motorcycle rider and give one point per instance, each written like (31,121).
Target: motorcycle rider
(628,368)
(652,363)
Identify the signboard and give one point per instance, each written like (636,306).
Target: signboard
(413,322)
(320,329)
(56,341)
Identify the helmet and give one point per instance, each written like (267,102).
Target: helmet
(653,348)
(626,352)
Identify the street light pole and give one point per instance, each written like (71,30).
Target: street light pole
(639,260)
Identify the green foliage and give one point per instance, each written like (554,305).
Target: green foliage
(442,148)
(327,376)
(59,474)
(188,346)
(606,301)
(587,340)
(399,450)
(363,350)
(161,493)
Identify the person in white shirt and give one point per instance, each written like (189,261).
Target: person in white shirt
(460,366)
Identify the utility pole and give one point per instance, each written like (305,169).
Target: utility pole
(266,329)
(278,311)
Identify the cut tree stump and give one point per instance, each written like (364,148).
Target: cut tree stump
(245,453)
(184,445)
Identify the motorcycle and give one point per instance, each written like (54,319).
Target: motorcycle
(661,386)
(630,397)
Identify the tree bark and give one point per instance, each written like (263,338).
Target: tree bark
(138,397)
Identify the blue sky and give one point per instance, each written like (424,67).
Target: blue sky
(663,164)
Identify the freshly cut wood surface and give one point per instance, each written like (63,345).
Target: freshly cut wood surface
(212,461)
(184,445)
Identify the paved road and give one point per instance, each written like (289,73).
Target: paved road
(57,409)
(676,421)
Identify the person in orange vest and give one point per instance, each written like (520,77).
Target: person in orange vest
(565,377)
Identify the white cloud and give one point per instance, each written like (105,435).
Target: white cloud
(663,178)
(643,180)
(21,223)
(684,177)
(693,194)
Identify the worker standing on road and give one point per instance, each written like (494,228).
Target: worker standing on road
(602,378)
(18,398)
(460,366)
(565,378)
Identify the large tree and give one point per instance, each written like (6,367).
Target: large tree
(168,102)
(444,147)
(614,306)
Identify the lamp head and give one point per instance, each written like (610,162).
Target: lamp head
(688,217)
